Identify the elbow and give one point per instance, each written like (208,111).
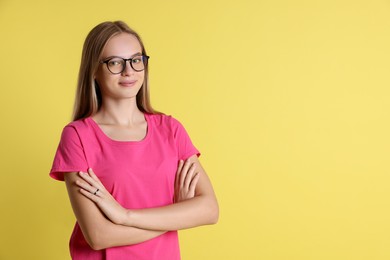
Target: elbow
(213,213)
(215,216)
(95,241)
(96,245)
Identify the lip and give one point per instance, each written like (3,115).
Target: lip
(127,83)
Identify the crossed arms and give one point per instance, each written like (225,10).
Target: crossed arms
(105,223)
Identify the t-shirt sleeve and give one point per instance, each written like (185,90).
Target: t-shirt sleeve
(70,155)
(184,144)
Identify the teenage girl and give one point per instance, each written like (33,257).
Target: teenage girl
(132,174)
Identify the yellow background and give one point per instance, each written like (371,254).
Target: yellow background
(288,102)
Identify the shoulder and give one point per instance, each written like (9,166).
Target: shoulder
(169,125)
(76,128)
(79,124)
(163,120)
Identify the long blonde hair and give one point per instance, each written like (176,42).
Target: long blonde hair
(88,96)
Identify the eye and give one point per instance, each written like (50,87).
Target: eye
(137,60)
(115,63)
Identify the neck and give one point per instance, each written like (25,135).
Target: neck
(119,112)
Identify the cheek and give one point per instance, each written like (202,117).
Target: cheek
(142,76)
(103,78)
(99,78)
(104,84)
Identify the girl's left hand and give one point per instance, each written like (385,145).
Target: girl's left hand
(187,178)
(94,190)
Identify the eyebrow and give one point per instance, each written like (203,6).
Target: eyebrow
(132,56)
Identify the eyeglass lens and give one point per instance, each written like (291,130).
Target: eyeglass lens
(117,65)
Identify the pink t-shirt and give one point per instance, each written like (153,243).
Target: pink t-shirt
(139,174)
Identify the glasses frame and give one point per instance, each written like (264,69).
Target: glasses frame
(145,59)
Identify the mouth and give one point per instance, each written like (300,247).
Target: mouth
(127,83)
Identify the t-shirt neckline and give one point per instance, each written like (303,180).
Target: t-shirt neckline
(105,137)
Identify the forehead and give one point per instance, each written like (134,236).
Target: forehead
(123,45)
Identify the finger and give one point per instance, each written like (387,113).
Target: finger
(194,182)
(177,178)
(180,166)
(91,185)
(183,172)
(83,184)
(87,187)
(87,178)
(189,176)
(93,176)
(89,195)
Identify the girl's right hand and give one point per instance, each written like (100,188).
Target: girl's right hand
(187,177)
(92,188)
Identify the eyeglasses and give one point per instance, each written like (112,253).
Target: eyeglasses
(117,65)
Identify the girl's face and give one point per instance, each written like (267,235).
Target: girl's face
(126,84)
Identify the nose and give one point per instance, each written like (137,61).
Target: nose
(128,70)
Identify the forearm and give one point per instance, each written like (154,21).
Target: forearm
(200,210)
(98,231)
(196,211)
(111,235)
(196,206)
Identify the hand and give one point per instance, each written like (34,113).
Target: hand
(186,179)
(94,190)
